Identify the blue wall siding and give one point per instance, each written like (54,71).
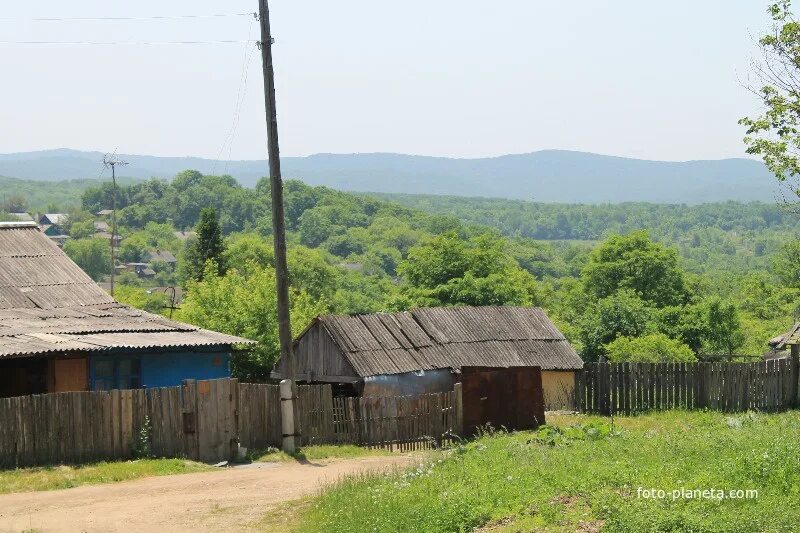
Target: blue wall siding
(170,368)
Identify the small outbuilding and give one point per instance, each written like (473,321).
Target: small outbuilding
(785,345)
(423,350)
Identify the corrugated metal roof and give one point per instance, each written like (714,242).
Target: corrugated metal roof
(450,337)
(48,304)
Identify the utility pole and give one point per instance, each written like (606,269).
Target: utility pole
(113,162)
(278,229)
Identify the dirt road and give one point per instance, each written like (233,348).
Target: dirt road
(228,500)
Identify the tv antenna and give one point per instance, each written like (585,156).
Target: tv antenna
(112,161)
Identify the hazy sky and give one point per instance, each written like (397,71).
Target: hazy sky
(655,79)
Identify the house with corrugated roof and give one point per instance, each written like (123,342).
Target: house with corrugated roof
(53,219)
(161,255)
(59,331)
(423,350)
(21,217)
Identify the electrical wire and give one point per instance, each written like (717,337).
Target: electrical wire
(153,17)
(237,108)
(124,43)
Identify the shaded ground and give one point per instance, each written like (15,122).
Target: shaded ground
(233,499)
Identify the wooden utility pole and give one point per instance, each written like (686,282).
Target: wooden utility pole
(278,226)
(113,162)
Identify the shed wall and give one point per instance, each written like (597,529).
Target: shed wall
(409,384)
(558,387)
(319,358)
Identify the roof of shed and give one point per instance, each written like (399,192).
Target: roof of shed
(450,337)
(48,304)
(787,339)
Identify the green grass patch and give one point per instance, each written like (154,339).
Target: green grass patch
(582,473)
(315,453)
(65,477)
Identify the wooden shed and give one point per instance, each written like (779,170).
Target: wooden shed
(423,350)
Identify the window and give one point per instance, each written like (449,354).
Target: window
(117,373)
(103,374)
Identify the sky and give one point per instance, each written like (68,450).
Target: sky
(659,80)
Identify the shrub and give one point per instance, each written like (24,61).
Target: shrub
(653,348)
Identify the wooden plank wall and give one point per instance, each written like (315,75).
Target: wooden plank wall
(197,420)
(398,423)
(627,388)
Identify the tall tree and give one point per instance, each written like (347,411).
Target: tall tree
(92,255)
(208,246)
(637,263)
(725,330)
(447,270)
(775,134)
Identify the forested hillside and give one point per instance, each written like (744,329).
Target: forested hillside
(545,176)
(710,237)
(622,281)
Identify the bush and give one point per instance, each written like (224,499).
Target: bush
(653,348)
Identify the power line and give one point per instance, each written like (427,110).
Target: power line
(153,17)
(123,43)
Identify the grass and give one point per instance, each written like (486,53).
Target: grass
(64,477)
(315,453)
(582,473)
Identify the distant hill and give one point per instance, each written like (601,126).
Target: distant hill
(545,176)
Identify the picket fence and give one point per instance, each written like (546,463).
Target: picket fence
(627,388)
(208,421)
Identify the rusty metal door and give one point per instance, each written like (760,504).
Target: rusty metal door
(510,398)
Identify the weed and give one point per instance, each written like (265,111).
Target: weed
(142,447)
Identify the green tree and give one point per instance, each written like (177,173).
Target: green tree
(652,348)
(247,249)
(447,270)
(81,229)
(637,263)
(687,324)
(147,300)
(208,247)
(786,264)
(16,203)
(92,255)
(623,314)
(725,330)
(246,306)
(775,134)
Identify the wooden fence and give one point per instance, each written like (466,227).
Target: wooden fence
(207,421)
(259,415)
(197,420)
(626,388)
(401,422)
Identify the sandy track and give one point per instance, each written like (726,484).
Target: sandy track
(226,500)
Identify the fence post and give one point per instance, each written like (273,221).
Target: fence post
(458,424)
(288,443)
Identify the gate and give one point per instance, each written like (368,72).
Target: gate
(511,397)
